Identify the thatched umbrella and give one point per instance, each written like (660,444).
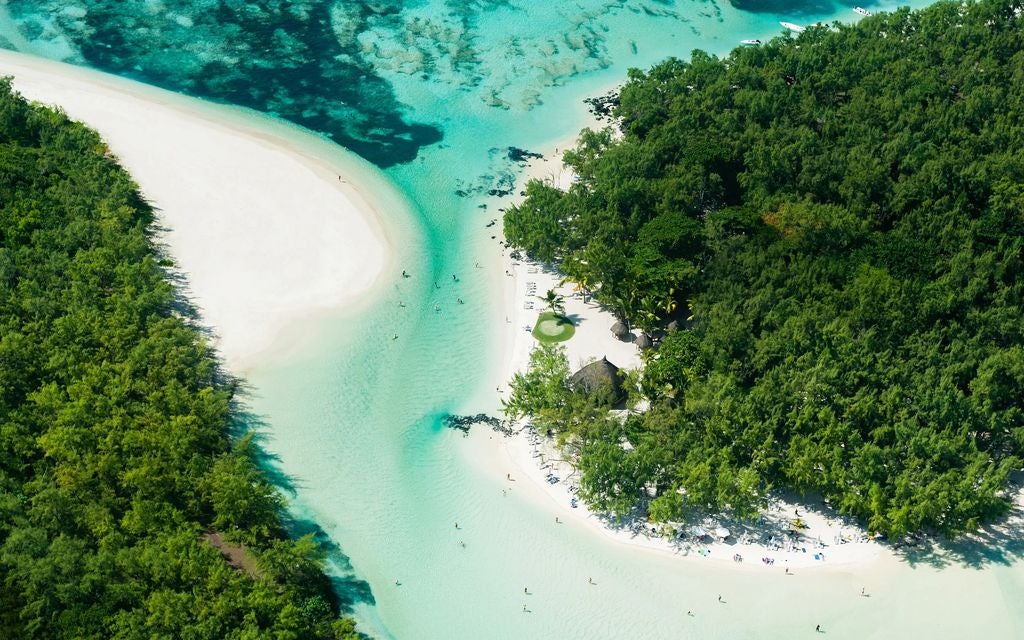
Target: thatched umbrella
(620,330)
(644,341)
(599,375)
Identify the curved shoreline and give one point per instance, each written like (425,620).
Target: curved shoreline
(271,225)
(521,458)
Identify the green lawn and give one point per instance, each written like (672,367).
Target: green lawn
(552,327)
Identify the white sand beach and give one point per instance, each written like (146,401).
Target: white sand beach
(269,225)
(526,282)
(827,540)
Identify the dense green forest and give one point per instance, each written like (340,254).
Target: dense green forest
(119,485)
(837,222)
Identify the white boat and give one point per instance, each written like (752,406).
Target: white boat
(862,11)
(793,27)
(750,42)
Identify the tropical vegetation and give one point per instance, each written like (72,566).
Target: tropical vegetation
(126,509)
(835,221)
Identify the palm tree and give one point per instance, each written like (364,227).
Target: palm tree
(669,301)
(554,301)
(581,283)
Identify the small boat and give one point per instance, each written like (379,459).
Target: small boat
(751,42)
(793,27)
(862,11)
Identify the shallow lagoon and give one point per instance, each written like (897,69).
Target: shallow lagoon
(437,92)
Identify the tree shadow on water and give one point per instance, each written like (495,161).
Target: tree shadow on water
(245,422)
(348,588)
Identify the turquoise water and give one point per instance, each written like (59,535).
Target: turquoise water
(434,92)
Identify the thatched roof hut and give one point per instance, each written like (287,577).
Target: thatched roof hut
(620,330)
(673,326)
(597,376)
(643,341)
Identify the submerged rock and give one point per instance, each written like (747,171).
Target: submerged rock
(463,423)
(515,154)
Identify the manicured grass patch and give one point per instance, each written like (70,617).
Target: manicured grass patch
(552,327)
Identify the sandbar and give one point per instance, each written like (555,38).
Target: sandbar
(268,223)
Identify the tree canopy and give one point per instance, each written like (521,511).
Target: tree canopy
(842,215)
(116,466)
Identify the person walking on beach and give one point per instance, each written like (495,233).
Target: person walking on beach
(817,628)
(719,597)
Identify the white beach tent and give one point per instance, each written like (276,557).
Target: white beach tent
(722,533)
